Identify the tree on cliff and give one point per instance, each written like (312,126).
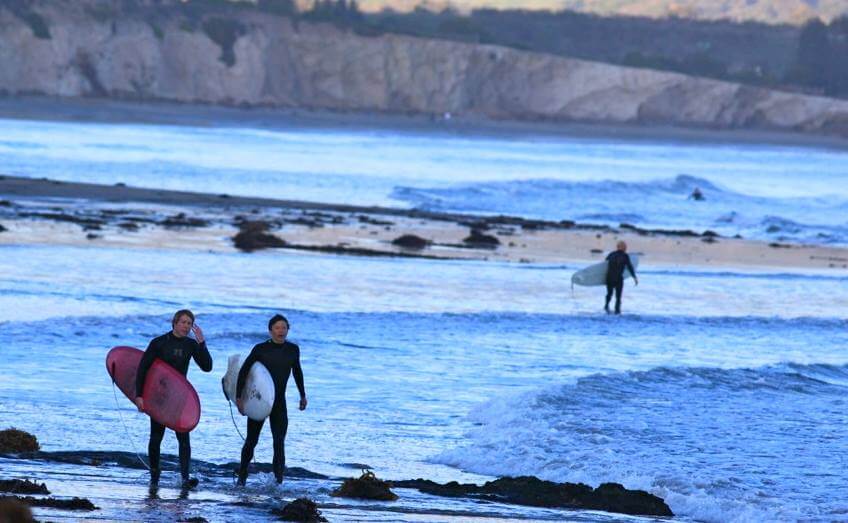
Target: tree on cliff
(838,85)
(279,7)
(813,54)
(821,60)
(342,13)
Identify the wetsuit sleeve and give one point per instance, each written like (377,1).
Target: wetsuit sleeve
(202,357)
(629,265)
(245,368)
(297,372)
(146,361)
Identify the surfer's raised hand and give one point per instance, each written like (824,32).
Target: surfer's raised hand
(198,333)
(139,402)
(303,403)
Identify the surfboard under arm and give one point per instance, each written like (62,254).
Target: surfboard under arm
(596,274)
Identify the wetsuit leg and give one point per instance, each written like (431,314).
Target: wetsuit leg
(619,287)
(610,287)
(253,429)
(185,453)
(157,431)
(279,427)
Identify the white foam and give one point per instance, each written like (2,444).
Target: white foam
(534,433)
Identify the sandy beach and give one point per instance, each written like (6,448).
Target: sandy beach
(63,213)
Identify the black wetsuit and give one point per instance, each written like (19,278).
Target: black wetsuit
(176,352)
(281,360)
(618,261)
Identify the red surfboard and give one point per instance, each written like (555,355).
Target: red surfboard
(168,396)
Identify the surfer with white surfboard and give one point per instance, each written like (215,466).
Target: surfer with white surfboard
(281,358)
(617,261)
(176,349)
(610,272)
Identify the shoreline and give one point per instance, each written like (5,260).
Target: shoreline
(161,112)
(41,211)
(118,487)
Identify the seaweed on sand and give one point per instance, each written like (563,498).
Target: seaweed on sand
(367,486)
(14,440)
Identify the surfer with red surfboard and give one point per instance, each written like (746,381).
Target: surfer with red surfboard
(176,349)
(281,358)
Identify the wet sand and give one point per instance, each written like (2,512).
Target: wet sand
(40,211)
(116,487)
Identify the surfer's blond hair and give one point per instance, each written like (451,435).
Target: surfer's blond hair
(621,245)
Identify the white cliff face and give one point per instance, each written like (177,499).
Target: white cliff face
(319,66)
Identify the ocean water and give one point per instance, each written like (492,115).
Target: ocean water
(721,390)
(463,371)
(759,191)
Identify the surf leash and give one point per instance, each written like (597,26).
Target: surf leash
(230,404)
(232,417)
(126,429)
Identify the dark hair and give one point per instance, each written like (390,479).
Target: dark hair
(179,314)
(278,317)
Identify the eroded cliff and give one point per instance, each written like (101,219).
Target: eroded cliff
(262,59)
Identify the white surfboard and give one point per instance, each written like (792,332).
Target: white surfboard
(258,393)
(597,274)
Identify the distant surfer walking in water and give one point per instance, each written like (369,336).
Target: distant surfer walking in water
(617,261)
(281,358)
(176,349)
